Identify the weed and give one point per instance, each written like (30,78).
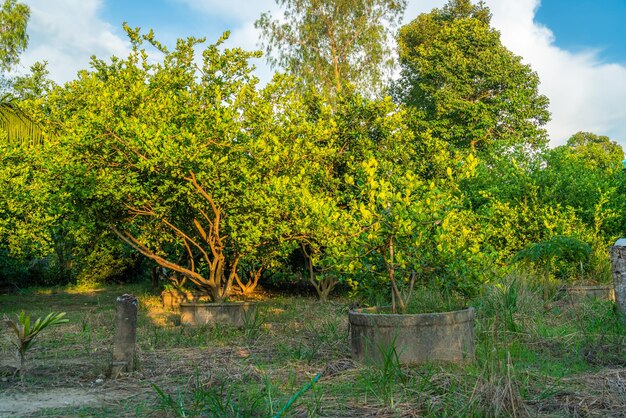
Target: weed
(305,350)
(86,331)
(217,401)
(252,324)
(297,395)
(381,378)
(173,405)
(498,391)
(267,382)
(603,333)
(313,408)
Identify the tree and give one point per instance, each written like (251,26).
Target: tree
(467,87)
(595,151)
(581,174)
(34,85)
(26,212)
(13,37)
(411,231)
(19,128)
(196,169)
(331,43)
(163,154)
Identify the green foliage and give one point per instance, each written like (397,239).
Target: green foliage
(332,44)
(411,228)
(509,301)
(558,247)
(18,128)
(140,135)
(178,153)
(595,151)
(33,86)
(216,401)
(13,38)
(104,261)
(584,174)
(26,211)
(41,222)
(14,122)
(555,254)
(470,90)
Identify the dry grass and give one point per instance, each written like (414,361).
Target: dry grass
(294,339)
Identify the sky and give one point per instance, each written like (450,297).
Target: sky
(576,46)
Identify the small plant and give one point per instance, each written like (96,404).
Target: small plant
(175,406)
(252,323)
(291,400)
(381,378)
(217,401)
(26,333)
(87,331)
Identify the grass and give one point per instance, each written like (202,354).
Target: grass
(534,357)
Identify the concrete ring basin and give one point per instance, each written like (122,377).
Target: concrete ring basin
(416,338)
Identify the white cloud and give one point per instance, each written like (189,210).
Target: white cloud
(585,94)
(66,33)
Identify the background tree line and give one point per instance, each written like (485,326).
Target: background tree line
(332,172)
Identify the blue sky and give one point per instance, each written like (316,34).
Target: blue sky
(576,46)
(171,19)
(579,25)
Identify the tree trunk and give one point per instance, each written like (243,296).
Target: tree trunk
(253,280)
(396,298)
(323,286)
(154,275)
(22,370)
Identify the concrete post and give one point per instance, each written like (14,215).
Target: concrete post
(125,335)
(618,267)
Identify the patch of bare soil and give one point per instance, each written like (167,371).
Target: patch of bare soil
(20,404)
(62,383)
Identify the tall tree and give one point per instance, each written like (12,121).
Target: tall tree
(471,90)
(595,151)
(14,123)
(13,37)
(332,43)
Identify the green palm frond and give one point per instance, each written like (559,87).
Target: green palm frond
(19,128)
(25,332)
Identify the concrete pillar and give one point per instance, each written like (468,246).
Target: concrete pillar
(125,335)
(618,267)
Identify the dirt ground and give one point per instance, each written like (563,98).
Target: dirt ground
(18,404)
